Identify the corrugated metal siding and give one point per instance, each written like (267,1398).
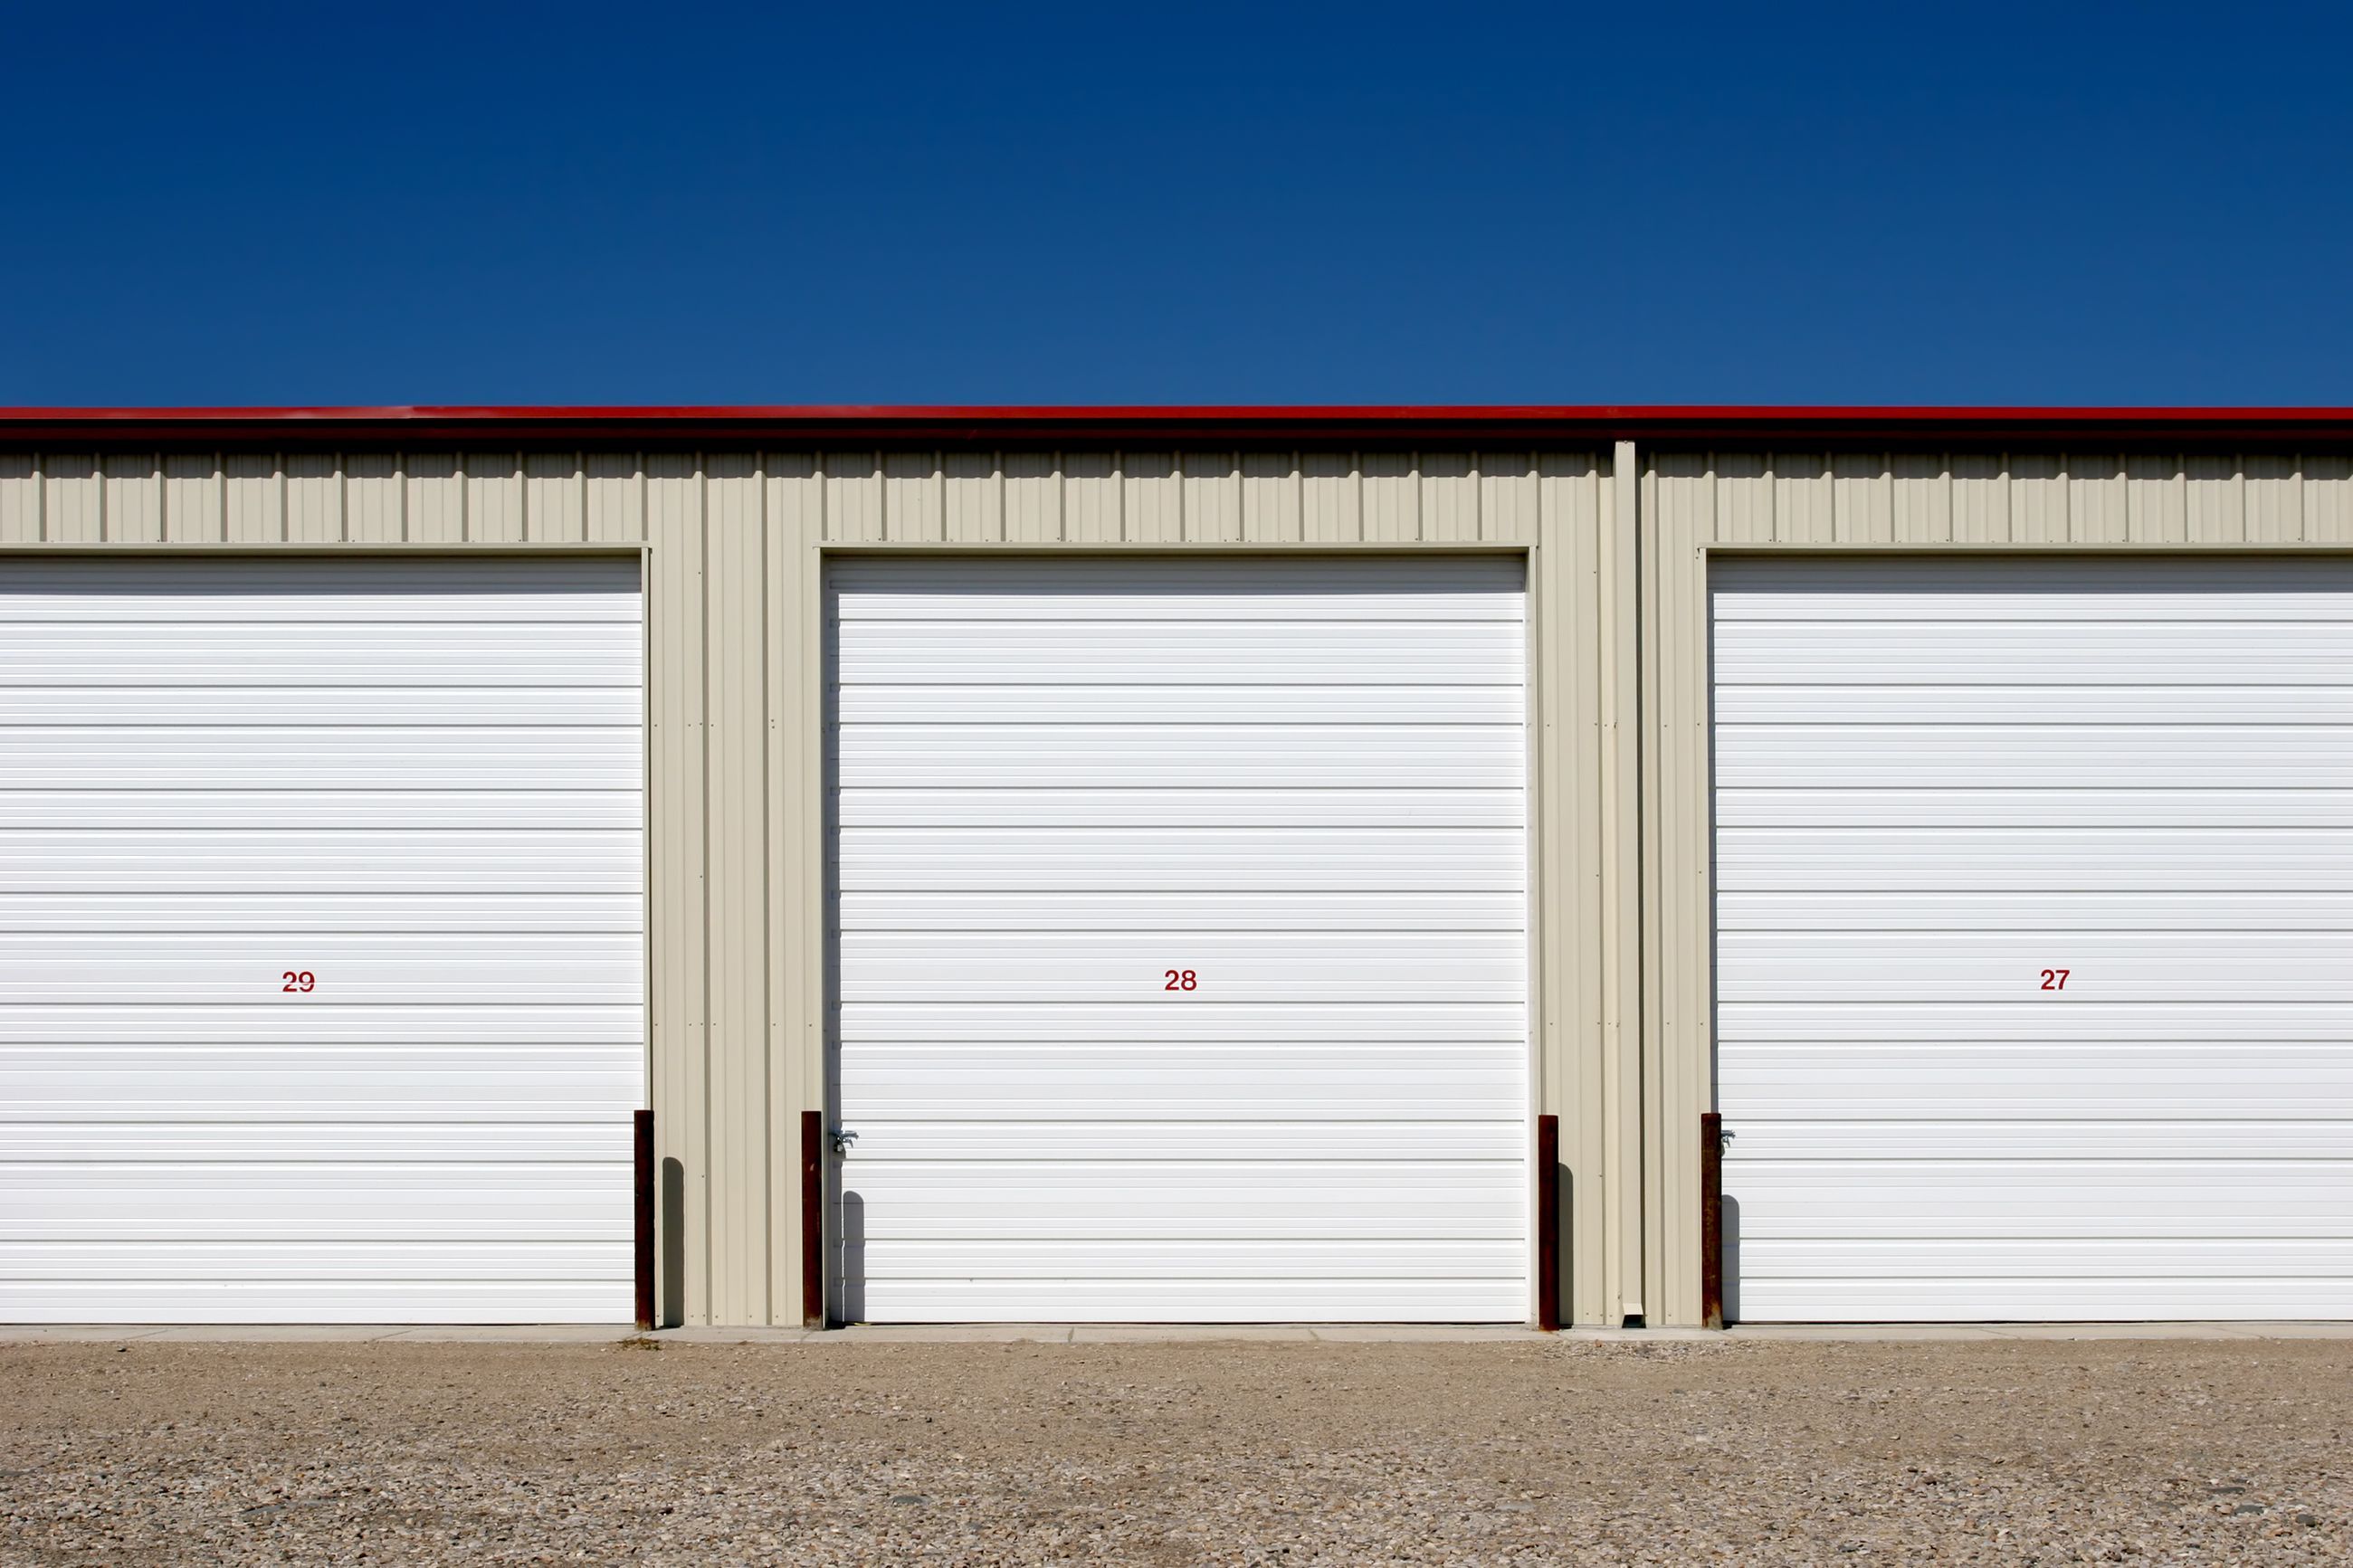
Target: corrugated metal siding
(738,843)
(1692,501)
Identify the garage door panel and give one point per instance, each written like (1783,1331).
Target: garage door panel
(1857,1090)
(1121,1079)
(1204,756)
(1235,1258)
(1303,783)
(1984,1197)
(319,1200)
(334,706)
(315,757)
(1412,1296)
(1821,1020)
(201,1028)
(2194,915)
(513,811)
(336,910)
(2034,705)
(220,861)
(2040,1127)
(2225,859)
(1009,1132)
(488,967)
(317,1077)
(420,782)
(2136,806)
(2029,653)
(2074,1257)
(2140,966)
(1202,652)
(447,1281)
(2064,589)
(312,1139)
(2030,756)
(1183,859)
(1164,914)
(1492,806)
(332,651)
(480,590)
(1223,704)
(2044,1300)
(1138,1201)
(1152,1022)
(1245,966)
(1938,781)
(964,589)
(327,1262)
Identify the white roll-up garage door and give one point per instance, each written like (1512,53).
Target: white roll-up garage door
(320,938)
(2034,957)
(1182,939)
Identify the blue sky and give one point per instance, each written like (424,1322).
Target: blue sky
(1236,204)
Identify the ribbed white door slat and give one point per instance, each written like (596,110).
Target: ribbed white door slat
(281,810)
(1366,651)
(212,652)
(1182,859)
(1938,786)
(1302,782)
(1502,806)
(418,783)
(331,910)
(2136,805)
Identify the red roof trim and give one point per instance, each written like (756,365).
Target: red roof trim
(1668,424)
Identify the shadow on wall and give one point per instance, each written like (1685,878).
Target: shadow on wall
(853,1257)
(673,1246)
(1731,1238)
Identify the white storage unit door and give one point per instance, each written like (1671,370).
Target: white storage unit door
(2035,959)
(320,938)
(1183,950)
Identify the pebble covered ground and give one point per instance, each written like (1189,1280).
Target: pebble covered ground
(1170,1453)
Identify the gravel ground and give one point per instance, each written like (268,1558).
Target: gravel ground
(1167,1454)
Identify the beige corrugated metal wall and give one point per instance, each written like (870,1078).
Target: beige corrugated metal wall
(734,543)
(1695,502)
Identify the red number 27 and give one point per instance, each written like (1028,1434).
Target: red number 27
(2054,979)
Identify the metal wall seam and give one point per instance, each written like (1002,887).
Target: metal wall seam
(796,882)
(1620,624)
(674,531)
(1570,928)
(737,945)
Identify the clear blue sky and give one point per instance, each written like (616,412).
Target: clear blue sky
(1356,202)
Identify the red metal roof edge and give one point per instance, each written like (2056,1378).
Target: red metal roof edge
(1381,424)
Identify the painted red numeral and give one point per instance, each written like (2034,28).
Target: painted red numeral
(298,980)
(1179,980)
(2054,979)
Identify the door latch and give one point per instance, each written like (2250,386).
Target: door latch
(842,1139)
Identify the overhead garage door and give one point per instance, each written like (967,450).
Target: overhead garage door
(2035,956)
(1182,942)
(320,938)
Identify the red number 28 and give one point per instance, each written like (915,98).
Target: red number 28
(1179,980)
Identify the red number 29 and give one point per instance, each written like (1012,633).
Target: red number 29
(298,980)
